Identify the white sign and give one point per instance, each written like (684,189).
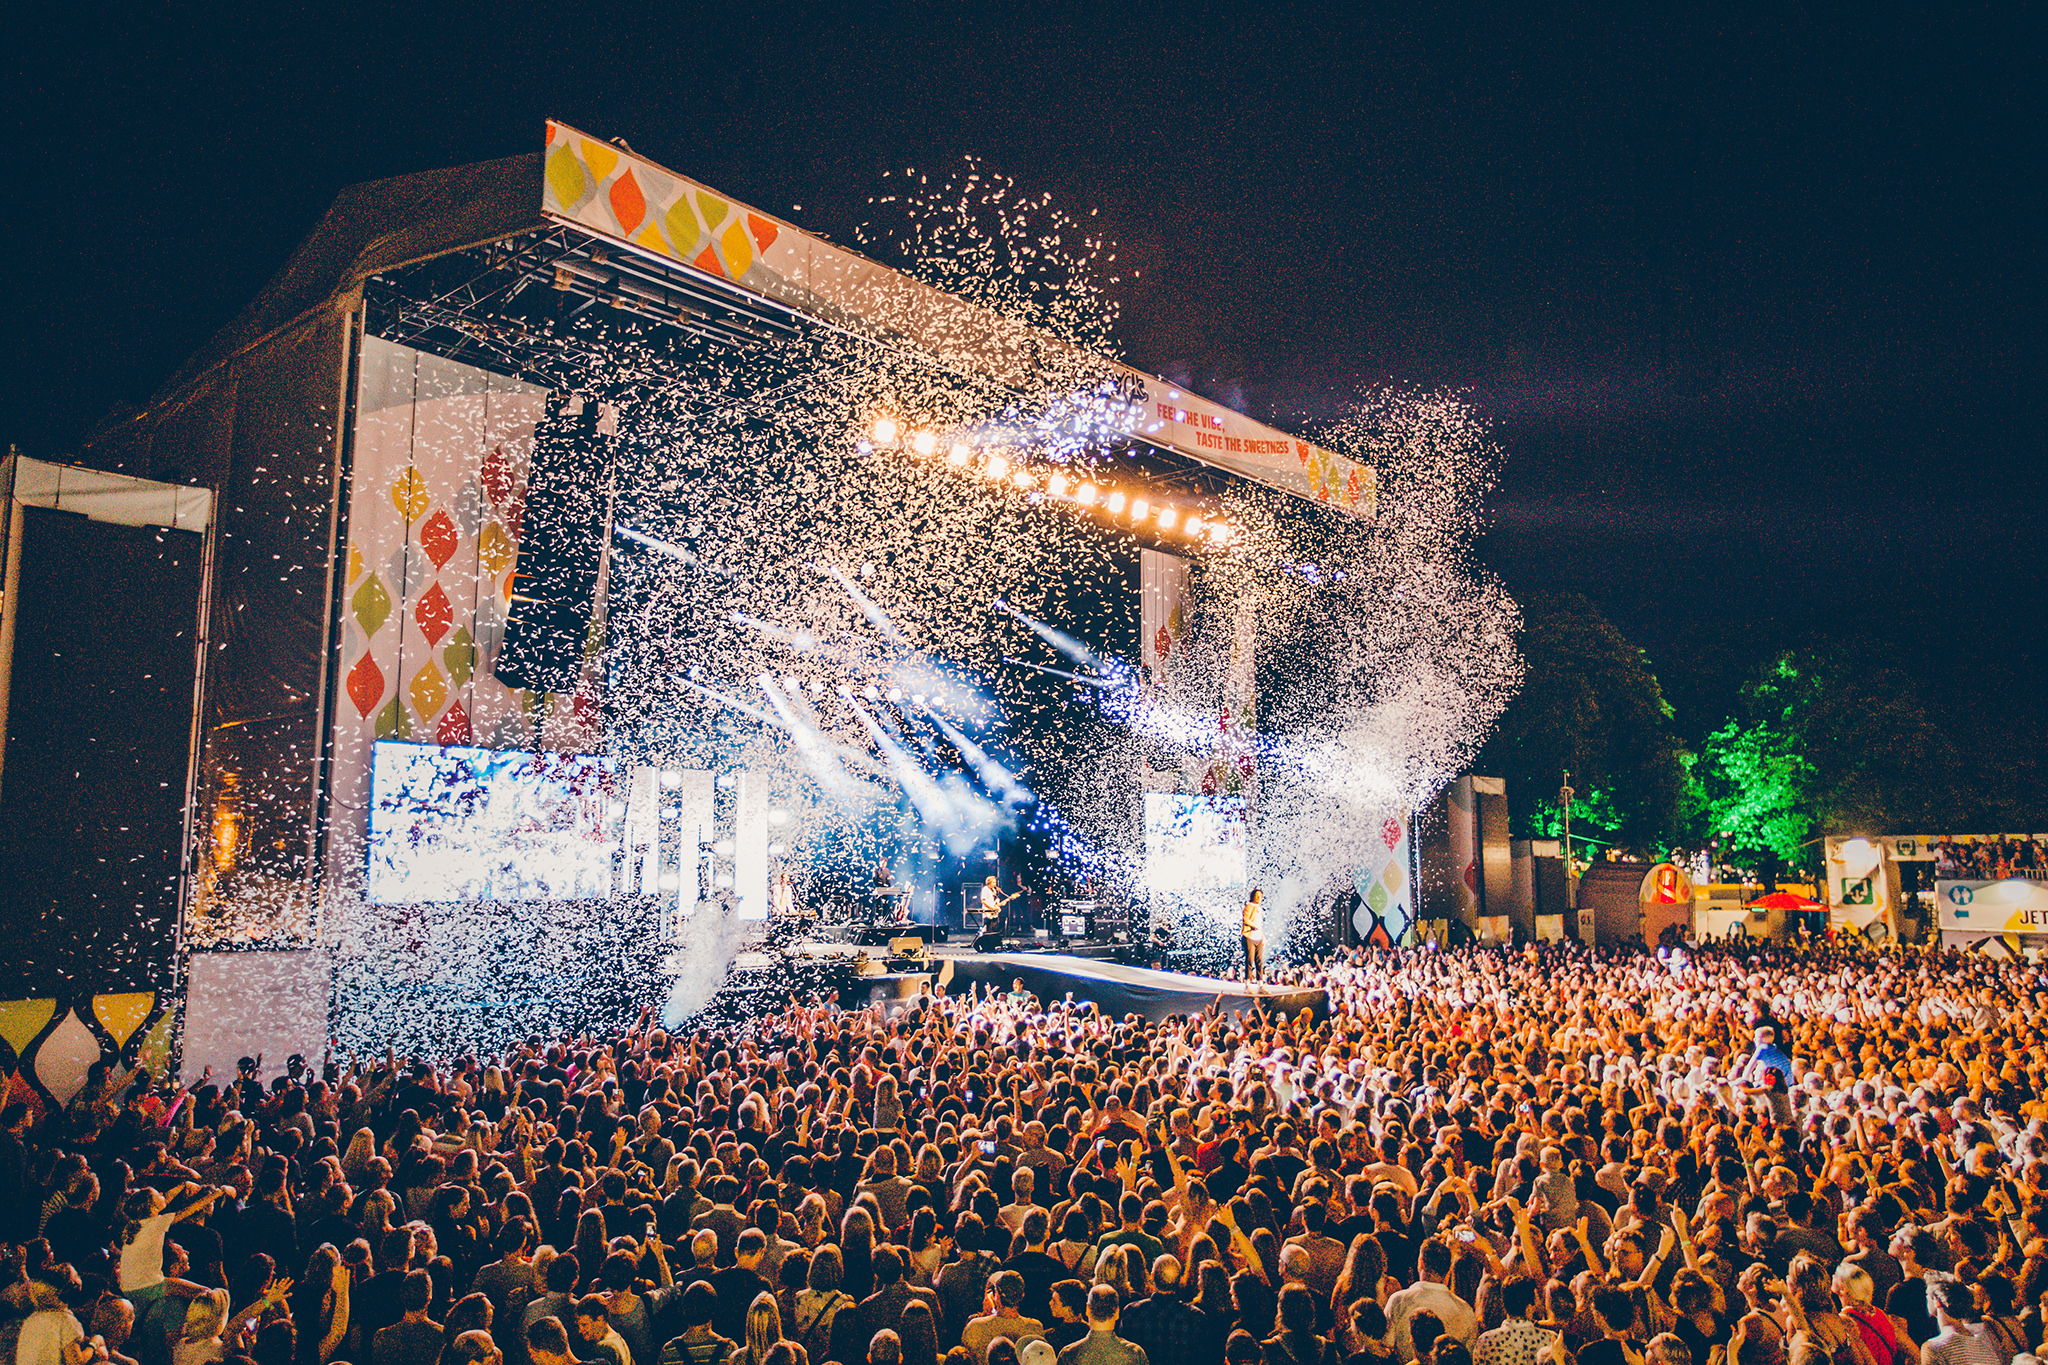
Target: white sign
(2007,907)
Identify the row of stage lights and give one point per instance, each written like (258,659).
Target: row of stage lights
(1060,486)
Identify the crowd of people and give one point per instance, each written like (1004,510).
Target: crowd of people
(1738,1155)
(1993,859)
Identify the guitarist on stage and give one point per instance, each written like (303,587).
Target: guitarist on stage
(993,900)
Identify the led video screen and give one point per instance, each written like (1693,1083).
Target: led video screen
(452,823)
(1194,845)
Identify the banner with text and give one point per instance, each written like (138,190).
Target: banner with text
(2007,907)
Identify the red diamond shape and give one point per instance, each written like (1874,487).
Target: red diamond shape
(438,538)
(365,685)
(435,614)
(454,727)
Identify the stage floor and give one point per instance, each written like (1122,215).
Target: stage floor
(1119,989)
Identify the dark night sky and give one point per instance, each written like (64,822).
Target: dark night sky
(1753,297)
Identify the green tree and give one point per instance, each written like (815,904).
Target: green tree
(1751,788)
(1827,739)
(1590,706)
(1877,760)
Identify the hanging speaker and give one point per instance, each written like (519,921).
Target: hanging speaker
(561,547)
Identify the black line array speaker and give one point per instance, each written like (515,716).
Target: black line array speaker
(561,547)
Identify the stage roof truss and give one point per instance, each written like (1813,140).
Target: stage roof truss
(472,307)
(451,261)
(656,215)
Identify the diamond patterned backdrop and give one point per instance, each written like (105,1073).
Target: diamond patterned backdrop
(438,493)
(1386,904)
(46,1045)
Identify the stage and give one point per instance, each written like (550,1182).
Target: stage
(1120,989)
(1116,987)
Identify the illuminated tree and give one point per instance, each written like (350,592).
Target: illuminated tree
(1751,789)
(1828,739)
(1877,760)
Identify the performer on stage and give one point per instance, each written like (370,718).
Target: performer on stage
(782,896)
(887,903)
(1255,936)
(992,902)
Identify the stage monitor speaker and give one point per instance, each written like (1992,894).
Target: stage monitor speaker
(561,547)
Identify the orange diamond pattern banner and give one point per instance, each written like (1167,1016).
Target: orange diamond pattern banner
(437,497)
(601,189)
(588,181)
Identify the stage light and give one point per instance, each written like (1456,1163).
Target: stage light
(924,443)
(997,466)
(1167,517)
(793,683)
(871,693)
(1195,526)
(886,430)
(778,817)
(723,881)
(1057,485)
(670,881)
(1140,509)
(895,694)
(867,569)
(1115,503)
(671,780)
(1022,478)
(958,455)
(723,848)
(776,850)
(1085,494)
